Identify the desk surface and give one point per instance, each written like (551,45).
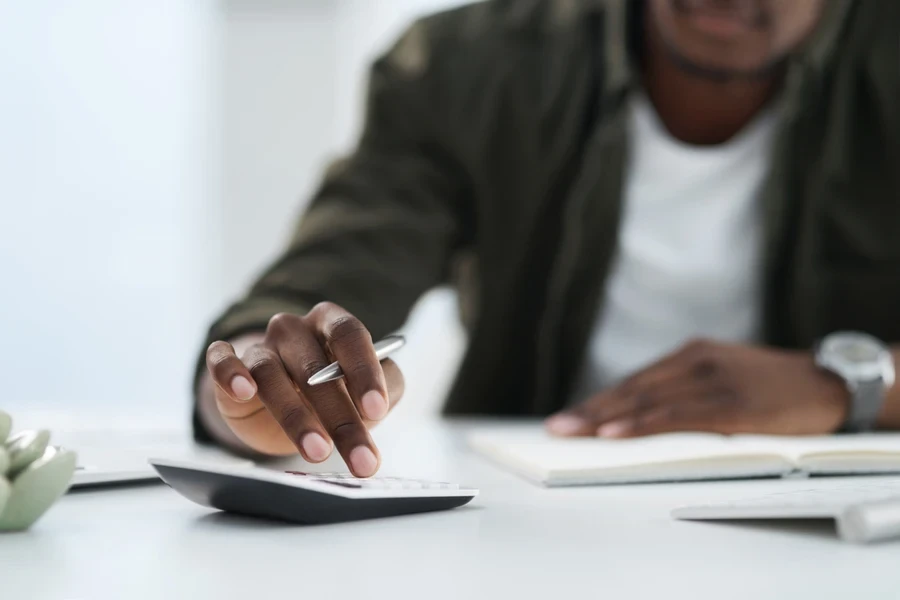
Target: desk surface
(515,540)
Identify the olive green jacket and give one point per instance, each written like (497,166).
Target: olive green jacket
(493,158)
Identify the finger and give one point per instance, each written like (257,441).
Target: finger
(230,409)
(671,366)
(277,393)
(586,418)
(348,340)
(396,386)
(580,420)
(624,398)
(667,418)
(229,373)
(302,356)
(260,430)
(678,390)
(688,388)
(662,381)
(570,423)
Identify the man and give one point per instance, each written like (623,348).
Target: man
(652,211)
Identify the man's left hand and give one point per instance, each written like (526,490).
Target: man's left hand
(715,387)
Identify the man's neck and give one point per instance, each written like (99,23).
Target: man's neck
(696,109)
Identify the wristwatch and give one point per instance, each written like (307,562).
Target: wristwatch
(866,365)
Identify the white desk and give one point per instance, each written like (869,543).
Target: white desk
(516,540)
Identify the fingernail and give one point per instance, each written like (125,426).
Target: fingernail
(565,424)
(242,388)
(315,447)
(363,462)
(374,405)
(613,429)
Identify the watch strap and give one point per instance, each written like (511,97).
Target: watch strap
(865,405)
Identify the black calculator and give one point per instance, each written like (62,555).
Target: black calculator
(307,498)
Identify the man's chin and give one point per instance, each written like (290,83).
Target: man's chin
(722,73)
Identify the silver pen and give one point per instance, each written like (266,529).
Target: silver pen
(383,349)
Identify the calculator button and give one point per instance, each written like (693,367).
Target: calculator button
(348,484)
(443,485)
(376,483)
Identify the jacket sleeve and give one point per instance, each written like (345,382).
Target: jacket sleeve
(383,226)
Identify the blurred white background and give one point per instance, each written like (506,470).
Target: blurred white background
(153,157)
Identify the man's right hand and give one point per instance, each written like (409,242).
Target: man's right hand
(265,401)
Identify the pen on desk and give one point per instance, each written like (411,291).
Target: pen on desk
(383,349)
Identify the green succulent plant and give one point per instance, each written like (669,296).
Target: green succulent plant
(33,475)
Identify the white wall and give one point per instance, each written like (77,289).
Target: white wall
(153,157)
(103,188)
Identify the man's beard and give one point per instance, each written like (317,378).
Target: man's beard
(721,74)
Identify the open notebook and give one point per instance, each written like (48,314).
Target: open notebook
(684,456)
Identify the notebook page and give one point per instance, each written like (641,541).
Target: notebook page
(543,457)
(842,453)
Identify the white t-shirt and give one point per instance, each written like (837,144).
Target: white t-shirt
(689,248)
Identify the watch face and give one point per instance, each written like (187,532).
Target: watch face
(854,355)
(857,351)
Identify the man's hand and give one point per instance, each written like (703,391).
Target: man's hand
(265,400)
(710,386)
